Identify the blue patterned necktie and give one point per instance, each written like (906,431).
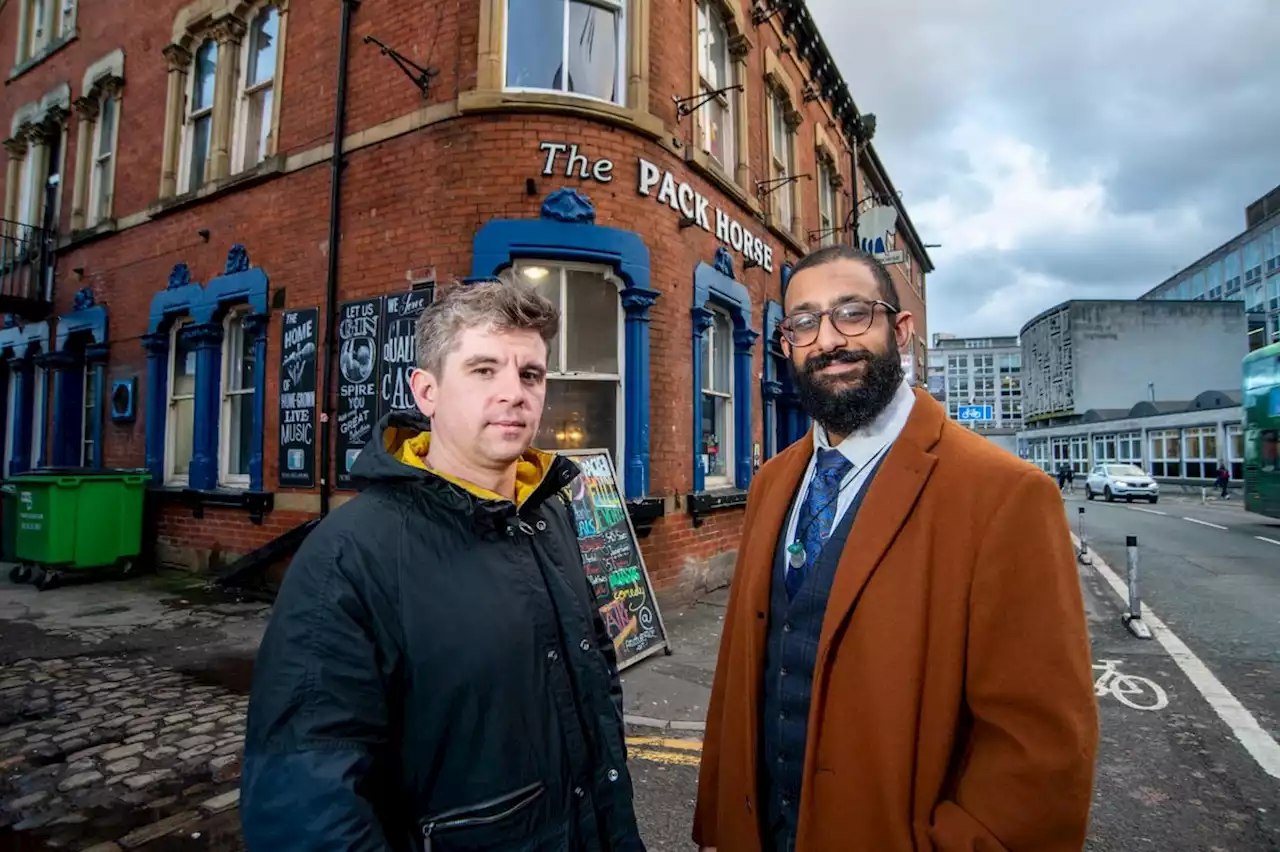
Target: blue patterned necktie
(818,513)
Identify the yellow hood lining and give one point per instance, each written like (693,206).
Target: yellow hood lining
(410,448)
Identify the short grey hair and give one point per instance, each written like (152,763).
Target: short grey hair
(504,303)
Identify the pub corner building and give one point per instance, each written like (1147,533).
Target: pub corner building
(180,243)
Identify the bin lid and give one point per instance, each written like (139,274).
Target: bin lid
(61,475)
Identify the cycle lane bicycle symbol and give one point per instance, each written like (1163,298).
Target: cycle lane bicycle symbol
(1134,691)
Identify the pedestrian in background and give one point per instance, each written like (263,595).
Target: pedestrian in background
(435,674)
(1224,480)
(905,661)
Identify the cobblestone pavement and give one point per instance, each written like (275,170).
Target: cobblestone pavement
(118,729)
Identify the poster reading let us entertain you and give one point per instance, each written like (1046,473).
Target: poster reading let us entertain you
(358,339)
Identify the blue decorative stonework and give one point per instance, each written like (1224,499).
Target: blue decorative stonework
(84,299)
(711,286)
(566,232)
(206,306)
(569,206)
(180,276)
(724,262)
(237,260)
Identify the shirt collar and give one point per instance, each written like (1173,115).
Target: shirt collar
(862,446)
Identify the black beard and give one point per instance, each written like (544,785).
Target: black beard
(841,408)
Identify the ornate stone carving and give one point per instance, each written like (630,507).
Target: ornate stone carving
(207,335)
(739,46)
(178,57)
(16,147)
(179,276)
(84,299)
(724,262)
(794,118)
(703,319)
(237,260)
(228,30)
(637,301)
(86,107)
(744,339)
(157,344)
(109,86)
(568,205)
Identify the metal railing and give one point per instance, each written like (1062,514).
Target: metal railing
(26,267)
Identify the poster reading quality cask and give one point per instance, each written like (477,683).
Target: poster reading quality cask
(398,356)
(299,332)
(357,381)
(611,558)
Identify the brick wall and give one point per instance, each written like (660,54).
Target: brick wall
(411,201)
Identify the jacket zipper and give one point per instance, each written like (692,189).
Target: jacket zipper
(454,818)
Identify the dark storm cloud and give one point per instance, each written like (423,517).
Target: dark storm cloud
(1168,111)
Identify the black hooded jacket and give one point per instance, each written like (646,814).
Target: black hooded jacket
(435,674)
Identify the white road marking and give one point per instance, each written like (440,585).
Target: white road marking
(1148,511)
(1267,540)
(1205,523)
(1260,745)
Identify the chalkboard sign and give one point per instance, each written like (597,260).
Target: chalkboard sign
(612,560)
(397,351)
(357,380)
(300,330)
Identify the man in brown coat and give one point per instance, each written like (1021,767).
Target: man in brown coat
(905,662)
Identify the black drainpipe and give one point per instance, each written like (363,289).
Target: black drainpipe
(853,214)
(331,284)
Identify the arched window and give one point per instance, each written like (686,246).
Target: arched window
(198,135)
(257,90)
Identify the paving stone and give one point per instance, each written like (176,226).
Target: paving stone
(139,727)
(232,719)
(75,782)
(192,742)
(231,748)
(138,782)
(65,695)
(109,846)
(11,682)
(27,801)
(139,738)
(225,768)
(119,675)
(117,722)
(73,732)
(123,767)
(10,762)
(79,766)
(130,702)
(91,751)
(160,753)
(97,688)
(92,713)
(38,737)
(123,752)
(162,802)
(213,710)
(156,830)
(221,803)
(33,822)
(15,734)
(203,728)
(198,751)
(74,745)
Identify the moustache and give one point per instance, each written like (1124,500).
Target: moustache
(826,359)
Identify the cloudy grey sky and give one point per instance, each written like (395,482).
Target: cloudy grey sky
(1064,150)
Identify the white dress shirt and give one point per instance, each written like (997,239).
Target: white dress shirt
(862,449)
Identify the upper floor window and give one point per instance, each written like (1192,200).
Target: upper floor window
(569,46)
(42,23)
(101,181)
(716,72)
(199,122)
(781,157)
(826,204)
(257,89)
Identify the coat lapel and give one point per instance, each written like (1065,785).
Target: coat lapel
(887,505)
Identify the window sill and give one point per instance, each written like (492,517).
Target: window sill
(702,163)
(702,503)
(793,242)
(45,52)
(479,101)
(256,503)
(644,513)
(75,239)
(268,169)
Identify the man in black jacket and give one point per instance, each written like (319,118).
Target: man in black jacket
(435,675)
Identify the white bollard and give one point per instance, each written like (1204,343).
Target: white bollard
(1133,618)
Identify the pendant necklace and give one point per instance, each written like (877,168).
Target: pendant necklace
(796,553)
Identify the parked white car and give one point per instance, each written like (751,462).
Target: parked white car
(1121,481)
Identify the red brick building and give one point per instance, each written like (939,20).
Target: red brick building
(656,165)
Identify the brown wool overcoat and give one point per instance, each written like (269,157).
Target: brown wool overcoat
(953,704)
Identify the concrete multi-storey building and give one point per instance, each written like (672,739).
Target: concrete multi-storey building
(1245,269)
(221,217)
(980,371)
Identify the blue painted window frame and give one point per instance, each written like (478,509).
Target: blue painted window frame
(68,380)
(565,231)
(715,287)
(25,348)
(207,307)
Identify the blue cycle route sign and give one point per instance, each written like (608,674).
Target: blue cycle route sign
(975,413)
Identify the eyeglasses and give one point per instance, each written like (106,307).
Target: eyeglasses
(851,319)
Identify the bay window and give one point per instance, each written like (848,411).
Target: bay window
(583,407)
(567,46)
(716,430)
(239,367)
(181,416)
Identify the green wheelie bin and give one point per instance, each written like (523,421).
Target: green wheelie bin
(78,520)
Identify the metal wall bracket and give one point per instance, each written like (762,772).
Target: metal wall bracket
(420,76)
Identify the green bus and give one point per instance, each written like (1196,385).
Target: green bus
(1261,428)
